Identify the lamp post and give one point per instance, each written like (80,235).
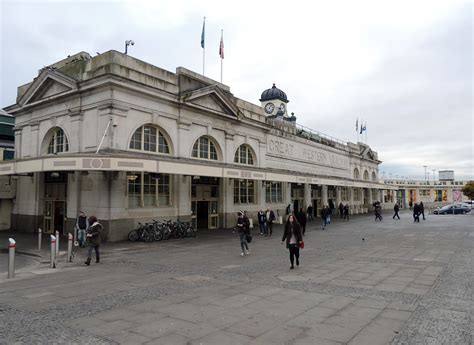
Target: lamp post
(424,166)
(128,43)
(434,170)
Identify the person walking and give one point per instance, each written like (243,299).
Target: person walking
(341,210)
(378,211)
(324,217)
(270,219)
(293,237)
(310,213)
(396,208)
(301,217)
(82,224)
(416,213)
(410,204)
(243,224)
(93,238)
(422,210)
(262,222)
(346,212)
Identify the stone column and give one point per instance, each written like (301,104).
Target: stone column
(351,201)
(184,196)
(338,196)
(307,195)
(324,195)
(287,192)
(370,198)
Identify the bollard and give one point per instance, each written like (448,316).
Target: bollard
(53,252)
(39,239)
(11,258)
(69,248)
(57,244)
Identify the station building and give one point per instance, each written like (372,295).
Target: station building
(130,142)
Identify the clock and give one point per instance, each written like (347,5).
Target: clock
(282,107)
(269,107)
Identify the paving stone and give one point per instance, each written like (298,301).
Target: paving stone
(337,302)
(222,337)
(170,339)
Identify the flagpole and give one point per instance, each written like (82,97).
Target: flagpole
(222,56)
(203,37)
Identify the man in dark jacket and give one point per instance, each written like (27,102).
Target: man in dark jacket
(422,210)
(310,213)
(416,213)
(243,224)
(341,210)
(324,216)
(262,222)
(93,237)
(301,217)
(396,208)
(270,219)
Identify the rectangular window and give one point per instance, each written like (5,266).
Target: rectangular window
(344,194)
(244,192)
(273,192)
(356,192)
(148,190)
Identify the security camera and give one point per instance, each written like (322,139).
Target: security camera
(132,43)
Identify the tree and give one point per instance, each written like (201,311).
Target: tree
(468,190)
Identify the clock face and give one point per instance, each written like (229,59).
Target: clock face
(269,107)
(282,107)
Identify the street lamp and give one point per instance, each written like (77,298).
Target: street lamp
(424,166)
(434,170)
(128,43)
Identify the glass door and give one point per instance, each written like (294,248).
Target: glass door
(213,215)
(48,217)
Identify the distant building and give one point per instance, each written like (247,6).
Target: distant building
(129,142)
(431,193)
(7,183)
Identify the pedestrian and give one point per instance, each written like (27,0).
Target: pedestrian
(243,224)
(346,212)
(410,204)
(270,219)
(341,210)
(301,217)
(310,213)
(93,238)
(416,213)
(396,208)
(262,222)
(422,210)
(82,224)
(324,216)
(378,211)
(293,237)
(288,209)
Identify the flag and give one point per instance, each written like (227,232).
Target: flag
(221,46)
(203,34)
(357,124)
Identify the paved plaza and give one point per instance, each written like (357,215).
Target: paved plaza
(359,282)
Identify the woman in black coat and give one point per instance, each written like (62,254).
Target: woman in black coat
(293,237)
(93,237)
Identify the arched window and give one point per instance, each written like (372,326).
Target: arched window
(366,175)
(58,142)
(149,138)
(356,174)
(204,148)
(374,176)
(244,155)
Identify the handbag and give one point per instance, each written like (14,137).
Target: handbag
(248,238)
(301,244)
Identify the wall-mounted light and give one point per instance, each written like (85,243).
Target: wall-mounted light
(54,174)
(132,177)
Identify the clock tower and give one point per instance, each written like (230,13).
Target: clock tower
(273,102)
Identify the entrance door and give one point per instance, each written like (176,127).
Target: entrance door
(202,214)
(213,215)
(54,216)
(48,217)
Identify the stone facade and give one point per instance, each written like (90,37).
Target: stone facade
(130,142)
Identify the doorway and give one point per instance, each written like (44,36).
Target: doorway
(54,216)
(202,214)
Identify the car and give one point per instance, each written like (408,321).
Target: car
(453,209)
